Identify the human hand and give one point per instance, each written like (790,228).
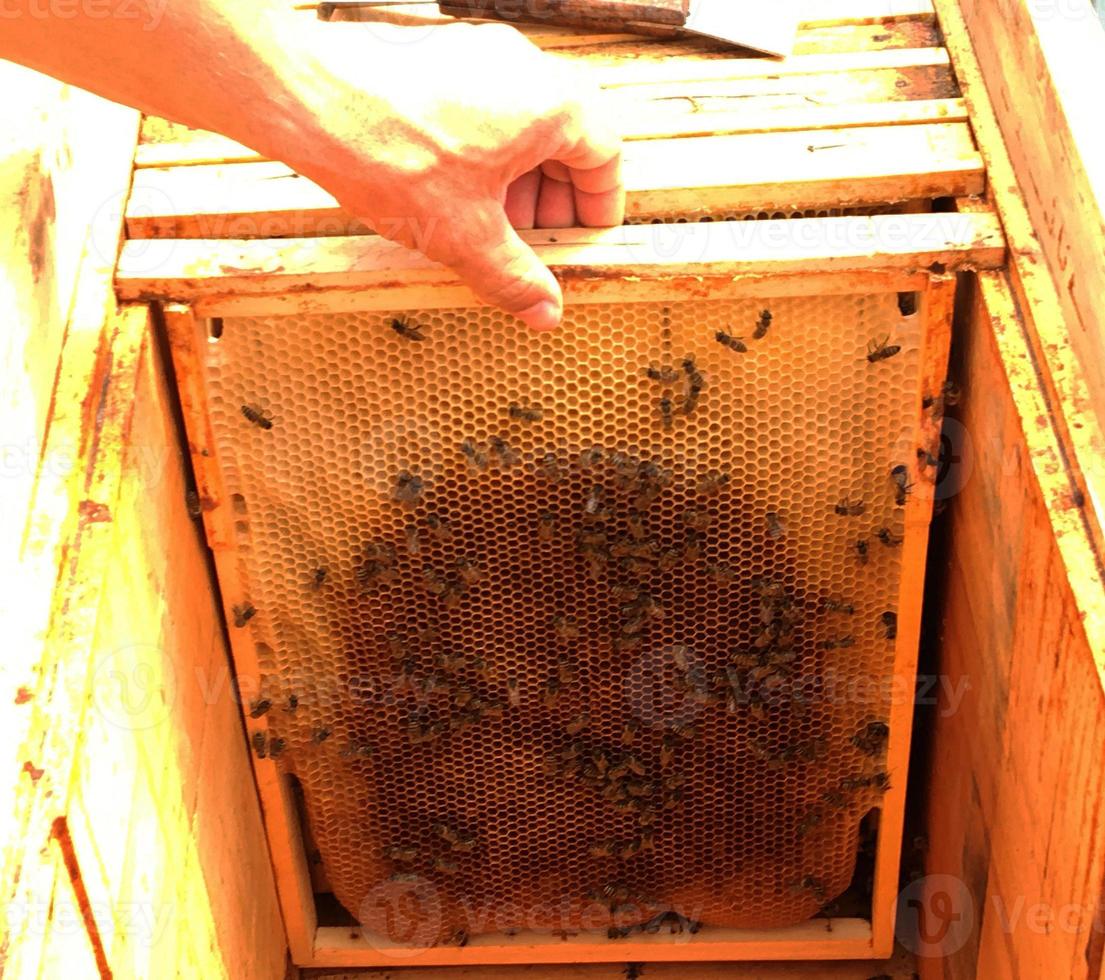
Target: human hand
(449,143)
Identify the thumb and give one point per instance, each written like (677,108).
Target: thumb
(503,270)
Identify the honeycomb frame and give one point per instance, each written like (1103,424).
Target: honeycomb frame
(227,526)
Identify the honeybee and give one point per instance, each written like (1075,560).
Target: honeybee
(404,877)
(881,350)
(590,458)
(407,330)
(623,644)
(692,546)
(396,648)
(435,583)
(317,578)
(523,414)
(733,343)
(815,886)
(668,745)
(378,566)
(358,749)
(775,526)
(550,468)
(566,671)
(469,573)
(446,866)
(566,627)
(459,938)
(401,853)
(320,735)
(259,741)
(666,412)
(410,535)
(629,731)
(862,551)
(808,822)
(712,484)
(276,747)
(690,400)
(440,528)
(835,606)
(886,537)
(696,519)
(293,703)
(762,325)
(926,459)
(408,489)
(638,530)
(507,456)
(849,508)
(477,459)
(259,708)
(694,376)
(578,723)
(872,738)
(646,496)
(890,624)
(594,506)
(546,526)
(257,416)
(603,849)
(902,487)
(243,614)
(553,690)
(666,376)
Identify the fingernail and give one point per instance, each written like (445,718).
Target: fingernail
(542,316)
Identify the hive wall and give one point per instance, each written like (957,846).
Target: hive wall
(754,803)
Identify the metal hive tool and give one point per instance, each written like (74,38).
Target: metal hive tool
(456,673)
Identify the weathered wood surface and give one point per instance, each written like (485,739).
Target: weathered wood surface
(640,261)
(118,859)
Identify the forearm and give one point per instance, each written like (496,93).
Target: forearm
(205,63)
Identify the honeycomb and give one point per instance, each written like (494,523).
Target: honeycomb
(552,644)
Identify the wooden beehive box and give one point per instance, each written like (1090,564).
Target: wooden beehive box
(869,166)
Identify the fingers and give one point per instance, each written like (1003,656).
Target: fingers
(556,206)
(521,200)
(591,159)
(504,271)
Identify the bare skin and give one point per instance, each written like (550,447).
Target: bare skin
(443,139)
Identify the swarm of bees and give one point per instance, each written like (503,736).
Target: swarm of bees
(613,531)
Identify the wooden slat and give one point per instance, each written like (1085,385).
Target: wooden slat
(1034,61)
(1015,782)
(1076,404)
(901,967)
(612,73)
(631,262)
(848,939)
(658,117)
(691,176)
(864,11)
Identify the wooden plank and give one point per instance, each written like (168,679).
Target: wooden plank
(848,939)
(620,259)
(865,11)
(1073,401)
(187,338)
(55,292)
(937,308)
(683,111)
(822,168)
(611,73)
(1033,62)
(1015,777)
(901,967)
